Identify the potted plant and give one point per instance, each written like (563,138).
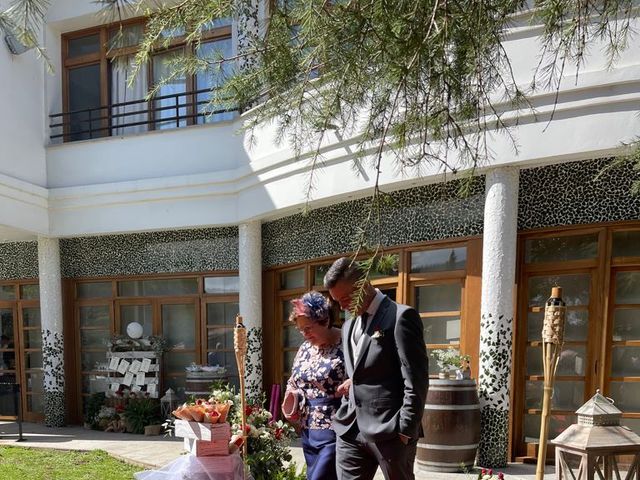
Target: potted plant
(452,364)
(95,403)
(141,412)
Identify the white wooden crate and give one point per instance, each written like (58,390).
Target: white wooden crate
(203,431)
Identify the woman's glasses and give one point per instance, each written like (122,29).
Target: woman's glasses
(305,330)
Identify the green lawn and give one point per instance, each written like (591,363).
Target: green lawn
(18,463)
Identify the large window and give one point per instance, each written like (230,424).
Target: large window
(436,280)
(103,93)
(195,314)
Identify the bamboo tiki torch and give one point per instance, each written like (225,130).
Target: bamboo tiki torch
(552,340)
(240,347)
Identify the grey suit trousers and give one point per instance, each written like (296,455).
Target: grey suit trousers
(359,459)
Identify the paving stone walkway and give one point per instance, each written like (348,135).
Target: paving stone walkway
(151,452)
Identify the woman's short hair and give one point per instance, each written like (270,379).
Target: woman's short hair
(312,305)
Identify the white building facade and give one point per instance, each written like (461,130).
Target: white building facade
(147,211)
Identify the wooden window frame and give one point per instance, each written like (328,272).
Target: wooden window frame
(199,300)
(470,296)
(104,57)
(521,450)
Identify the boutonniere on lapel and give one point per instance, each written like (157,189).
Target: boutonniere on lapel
(377,334)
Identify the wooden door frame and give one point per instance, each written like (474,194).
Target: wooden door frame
(520,448)
(13,306)
(27,416)
(77,305)
(607,336)
(204,325)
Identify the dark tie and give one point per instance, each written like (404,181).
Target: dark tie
(358,332)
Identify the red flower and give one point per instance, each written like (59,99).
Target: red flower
(247,428)
(278,433)
(248,410)
(119,408)
(490,472)
(501,476)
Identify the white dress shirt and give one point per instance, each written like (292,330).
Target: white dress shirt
(371,311)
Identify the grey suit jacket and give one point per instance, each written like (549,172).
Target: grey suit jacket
(389,379)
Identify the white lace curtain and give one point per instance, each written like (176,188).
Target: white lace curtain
(121,73)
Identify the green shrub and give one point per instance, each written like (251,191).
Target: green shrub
(141,412)
(94,404)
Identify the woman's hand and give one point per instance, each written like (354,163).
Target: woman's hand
(343,388)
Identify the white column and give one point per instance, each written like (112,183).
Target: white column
(496,325)
(52,335)
(250,256)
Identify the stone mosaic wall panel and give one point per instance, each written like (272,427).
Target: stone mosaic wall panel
(420,214)
(570,194)
(159,252)
(18,260)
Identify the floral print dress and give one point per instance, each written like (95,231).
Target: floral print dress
(316,374)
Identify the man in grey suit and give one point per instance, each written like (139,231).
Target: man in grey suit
(379,422)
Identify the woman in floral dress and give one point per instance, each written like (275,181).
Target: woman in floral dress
(318,380)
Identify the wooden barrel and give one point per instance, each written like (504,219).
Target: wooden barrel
(451,423)
(199,384)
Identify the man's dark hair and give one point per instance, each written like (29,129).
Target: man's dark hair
(342,269)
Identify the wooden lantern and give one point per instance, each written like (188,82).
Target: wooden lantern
(588,450)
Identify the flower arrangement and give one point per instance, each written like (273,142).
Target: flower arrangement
(194,368)
(487,474)
(267,441)
(152,343)
(205,411)
(449,359)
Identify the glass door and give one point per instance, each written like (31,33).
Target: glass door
(170,111)
(440,307)
(291,338)
(178,320)
(135,310)
(220,322)
(21,351)
(573,380)
(624,371)
(8,368)
(30,354)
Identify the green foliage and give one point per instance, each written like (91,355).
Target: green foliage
(141,412)
(291,473)
(124,343)
(41,464)
(267,442)
(94,404)
(449,358)
(419,82)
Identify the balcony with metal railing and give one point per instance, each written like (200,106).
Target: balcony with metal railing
(137,116)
